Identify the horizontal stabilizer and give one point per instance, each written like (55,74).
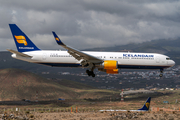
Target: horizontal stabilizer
(18,53)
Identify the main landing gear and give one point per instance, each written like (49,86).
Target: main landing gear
(161,73)
(90,73)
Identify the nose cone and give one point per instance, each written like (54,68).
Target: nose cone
(171,63)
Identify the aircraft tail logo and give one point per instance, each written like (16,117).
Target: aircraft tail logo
(57,39)
(147,105)
(23,43)
(21,40)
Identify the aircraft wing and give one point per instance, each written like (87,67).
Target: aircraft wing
(19,53)
(77,53)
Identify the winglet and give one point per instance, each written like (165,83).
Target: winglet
(146,105)
(76,53)
(58,40)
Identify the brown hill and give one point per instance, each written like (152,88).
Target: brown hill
(16,84)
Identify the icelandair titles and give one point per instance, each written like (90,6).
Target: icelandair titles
(26,47)
(138,55)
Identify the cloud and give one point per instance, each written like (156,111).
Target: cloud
(89,23)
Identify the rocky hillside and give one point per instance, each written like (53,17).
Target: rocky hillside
(18,84)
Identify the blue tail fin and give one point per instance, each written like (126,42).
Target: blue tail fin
(146,105)
(23,43)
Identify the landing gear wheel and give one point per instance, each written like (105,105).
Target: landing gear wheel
(93,75)
(90,73)
(160,75)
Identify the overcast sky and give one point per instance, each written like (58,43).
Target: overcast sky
(89,23)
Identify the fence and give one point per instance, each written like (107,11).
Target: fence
(72,110)
(164,109)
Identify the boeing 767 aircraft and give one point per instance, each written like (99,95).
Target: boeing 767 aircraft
(108,62)
(143,109)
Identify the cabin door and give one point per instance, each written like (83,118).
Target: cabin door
(44,56)
(157,59)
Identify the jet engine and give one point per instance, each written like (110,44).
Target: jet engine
(109,66)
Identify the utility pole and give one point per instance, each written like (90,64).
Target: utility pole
(122,98)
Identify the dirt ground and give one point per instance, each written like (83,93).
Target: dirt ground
(95,116)
(90,111)
(108,116)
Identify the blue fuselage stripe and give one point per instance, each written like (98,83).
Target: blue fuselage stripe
(61,64)
(140,67)
(119,66)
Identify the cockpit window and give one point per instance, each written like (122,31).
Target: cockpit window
(167,58)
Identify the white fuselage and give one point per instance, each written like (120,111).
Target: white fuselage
(110,110)
(126,60)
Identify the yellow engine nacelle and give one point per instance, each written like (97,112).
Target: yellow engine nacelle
(112,71)
(110,67)
(110,64)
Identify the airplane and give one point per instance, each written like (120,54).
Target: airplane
(143,109)
(108,62)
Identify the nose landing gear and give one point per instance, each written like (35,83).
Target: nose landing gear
(161,73)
